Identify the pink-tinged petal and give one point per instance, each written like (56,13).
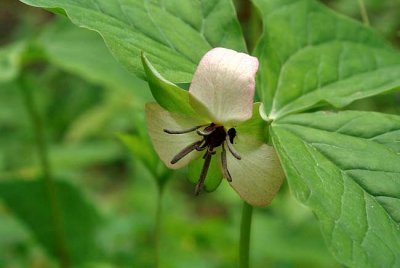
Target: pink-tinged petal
(223,86)
(167,145)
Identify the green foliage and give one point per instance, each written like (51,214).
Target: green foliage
(175,47)
(311,56)
(333,162)
(29,201)
(343,166)
(83,53)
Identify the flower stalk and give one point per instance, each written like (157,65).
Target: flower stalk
(245,232)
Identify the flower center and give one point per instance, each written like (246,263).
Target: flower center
(213,136)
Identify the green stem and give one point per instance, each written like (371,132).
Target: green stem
(46,170)
(161,177)
(364,13)
(245,228)
(158,224)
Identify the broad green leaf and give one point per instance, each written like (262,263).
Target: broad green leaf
(84,53)
(345,167)
(311,56)
(168,95)
(175,34)
(28,201)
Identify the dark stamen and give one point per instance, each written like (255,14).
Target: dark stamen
(203,174)
(185,151)
(232,149)
(225,170)
(182,131)
(212,136)
(231,134)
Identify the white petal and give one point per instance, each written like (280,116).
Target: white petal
(223,85)
(169,145)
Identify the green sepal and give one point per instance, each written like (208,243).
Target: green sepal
(167,94)
(214,175)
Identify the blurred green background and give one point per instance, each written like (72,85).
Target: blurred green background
(109,194)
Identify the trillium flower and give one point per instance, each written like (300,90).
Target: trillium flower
(220,132)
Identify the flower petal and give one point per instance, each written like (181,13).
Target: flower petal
(167,145)
(223,85)
(258,176)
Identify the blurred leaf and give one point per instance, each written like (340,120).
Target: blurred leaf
(383,14)
(174,34)
(115,113)
(28,200)
(80,155)
(286,241)
(311,56)
(141,149)
(84,53)
(345,167)
(10,61)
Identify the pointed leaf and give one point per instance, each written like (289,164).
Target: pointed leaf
(175,34)
(84,53)
(345,167)
(311,56)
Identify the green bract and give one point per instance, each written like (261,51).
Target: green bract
(216,115)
